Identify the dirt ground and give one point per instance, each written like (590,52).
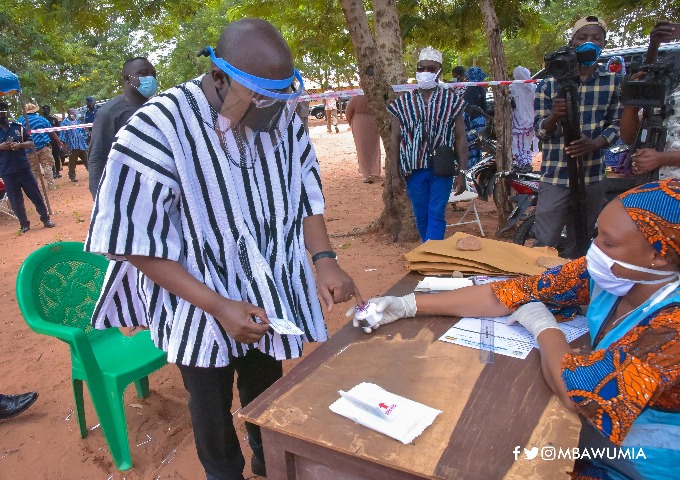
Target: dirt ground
(43,442)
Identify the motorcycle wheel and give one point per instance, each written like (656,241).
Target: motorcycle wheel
(486,181)
(321,114)
(524,233)
(497,194)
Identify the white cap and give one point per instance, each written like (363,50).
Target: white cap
(429,53)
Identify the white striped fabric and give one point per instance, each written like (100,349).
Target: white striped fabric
(425,125)
(170,191)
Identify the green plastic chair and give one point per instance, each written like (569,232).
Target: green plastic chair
(57,287)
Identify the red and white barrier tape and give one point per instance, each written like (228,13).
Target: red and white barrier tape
(407,87)
(59,129)
(325,95)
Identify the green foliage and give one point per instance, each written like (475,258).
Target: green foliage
(316,33)
(64,50)
(178,40)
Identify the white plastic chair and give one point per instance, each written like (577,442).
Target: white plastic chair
(471,197)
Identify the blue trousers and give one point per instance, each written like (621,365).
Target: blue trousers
(429,195)
(14,184)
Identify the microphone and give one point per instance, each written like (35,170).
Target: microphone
(204,52)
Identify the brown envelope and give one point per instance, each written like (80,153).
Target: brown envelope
(504,257)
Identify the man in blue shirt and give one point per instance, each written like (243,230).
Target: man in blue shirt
(43,147)
(16,171)
(76,139)
(90,113)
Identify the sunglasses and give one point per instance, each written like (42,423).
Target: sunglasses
(429,68)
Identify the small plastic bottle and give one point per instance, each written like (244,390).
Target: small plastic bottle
(367,316)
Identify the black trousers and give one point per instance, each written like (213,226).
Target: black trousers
(16,184)
(210,398)
(56,154)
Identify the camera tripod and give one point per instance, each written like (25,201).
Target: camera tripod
(568,89)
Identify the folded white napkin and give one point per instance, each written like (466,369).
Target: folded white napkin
(429,284)
(385,412)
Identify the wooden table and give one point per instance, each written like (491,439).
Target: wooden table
(488,410)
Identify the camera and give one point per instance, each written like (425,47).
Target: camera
(561,64)
(654,89)
(564,63)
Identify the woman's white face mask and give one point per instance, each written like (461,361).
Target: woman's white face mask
(600,270)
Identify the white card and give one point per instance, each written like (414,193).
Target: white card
(284,327)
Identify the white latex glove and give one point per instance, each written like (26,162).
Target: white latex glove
(535,317)
(391,308)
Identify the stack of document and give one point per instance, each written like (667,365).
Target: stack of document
(495,258)
(383,411)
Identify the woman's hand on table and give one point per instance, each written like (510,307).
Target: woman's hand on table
(535,317)
(392,309)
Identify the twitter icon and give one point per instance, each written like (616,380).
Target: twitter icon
(531,454)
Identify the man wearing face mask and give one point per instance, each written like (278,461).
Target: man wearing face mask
(76,140)
(16,173)
(139,84)
(600,110)
(210,202)
(646,160)
(425,119)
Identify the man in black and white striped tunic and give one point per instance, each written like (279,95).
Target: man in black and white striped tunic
(204,242)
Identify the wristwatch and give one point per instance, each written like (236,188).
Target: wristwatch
(324,254)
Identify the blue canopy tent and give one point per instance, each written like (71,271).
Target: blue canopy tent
(9,82)
(9,85)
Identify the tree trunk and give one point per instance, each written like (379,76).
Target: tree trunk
(380,66)
(503,111)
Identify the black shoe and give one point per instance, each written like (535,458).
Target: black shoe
(57,175)
(49,224)
(73,179)
(13,405)
(25,228)
(258,467)
(337,130)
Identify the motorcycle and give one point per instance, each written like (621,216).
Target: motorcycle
(524,204)
(526,186)
(481,177)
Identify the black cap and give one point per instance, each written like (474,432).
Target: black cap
(89,99)
(4,107)
(45,107)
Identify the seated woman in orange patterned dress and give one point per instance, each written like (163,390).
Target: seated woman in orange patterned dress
(627,391)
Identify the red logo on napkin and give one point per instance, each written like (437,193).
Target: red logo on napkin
(388,409)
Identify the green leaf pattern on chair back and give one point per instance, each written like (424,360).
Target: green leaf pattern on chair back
(68,291)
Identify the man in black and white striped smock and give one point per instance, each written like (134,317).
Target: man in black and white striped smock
(210,199)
